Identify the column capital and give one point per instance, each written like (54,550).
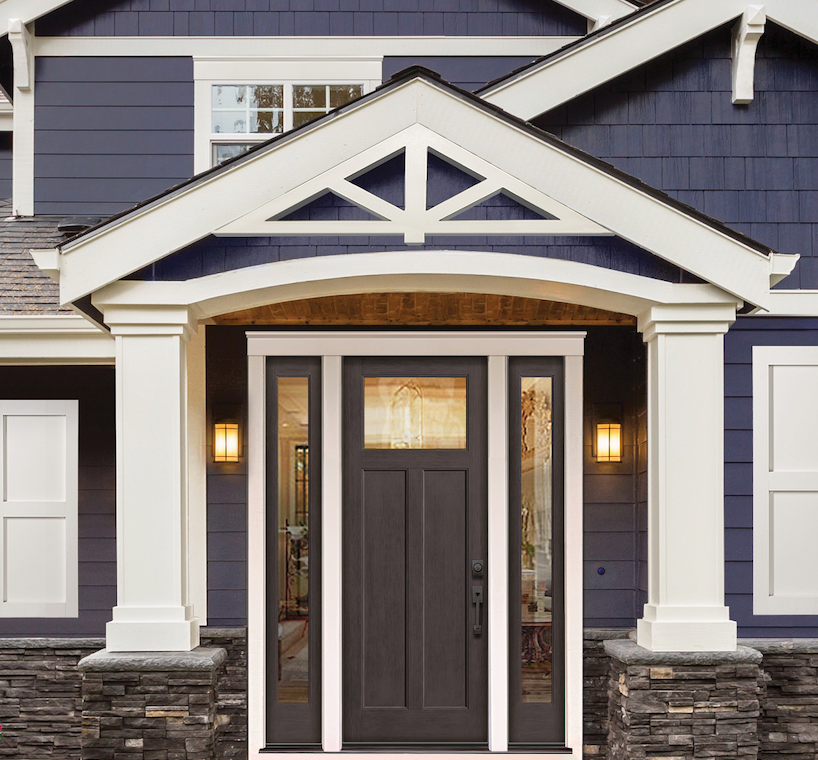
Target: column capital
(151,320)
(710,318)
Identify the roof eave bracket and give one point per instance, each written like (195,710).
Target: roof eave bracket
(747,32)
(48,259)
(21,48)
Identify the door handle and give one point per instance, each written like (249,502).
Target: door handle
(477,601)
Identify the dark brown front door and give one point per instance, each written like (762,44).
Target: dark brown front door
(415,549)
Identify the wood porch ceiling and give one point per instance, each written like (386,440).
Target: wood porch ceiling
(427,309)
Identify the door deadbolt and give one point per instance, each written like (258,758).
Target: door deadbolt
(477,566)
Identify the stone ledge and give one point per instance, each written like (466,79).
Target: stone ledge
(605,634)
(223,633)
(630,653)
(782,646)
(51,643)
(201,658)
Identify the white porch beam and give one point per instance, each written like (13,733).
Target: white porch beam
(685,609)
(747,32)
(153,612)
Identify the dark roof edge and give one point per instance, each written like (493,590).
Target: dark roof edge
(422,72)
(636,15)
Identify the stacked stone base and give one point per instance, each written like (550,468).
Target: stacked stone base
(677,706)
(159,706)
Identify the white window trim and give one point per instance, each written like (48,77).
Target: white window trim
(497,346)
(67,510)
(288,71)
(765,482)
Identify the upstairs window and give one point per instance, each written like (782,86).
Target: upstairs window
(247,114)
(241,102)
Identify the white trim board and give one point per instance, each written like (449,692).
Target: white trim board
(68,339)
(398,113)
(785,479)
(332,346)
(310,47)
(647,35)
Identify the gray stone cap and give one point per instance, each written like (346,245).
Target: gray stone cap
(782,646)
(223,633)
(52,643)
(631,653)
(201,658)
(604,634)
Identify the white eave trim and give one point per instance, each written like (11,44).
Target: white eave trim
(791,303)
(650,33)
(52,339)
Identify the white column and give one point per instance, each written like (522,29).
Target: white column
(685,609)
(153,612)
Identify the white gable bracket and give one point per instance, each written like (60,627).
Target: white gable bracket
(746,34)
(20,40)
(48,259)
(781,266)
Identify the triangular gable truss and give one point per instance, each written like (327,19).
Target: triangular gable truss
(416,112)
(415,221)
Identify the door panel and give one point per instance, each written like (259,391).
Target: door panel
(414,519)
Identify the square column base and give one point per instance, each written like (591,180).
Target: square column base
(152,636)
(687,635)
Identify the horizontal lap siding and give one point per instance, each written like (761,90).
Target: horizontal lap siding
(110,132)
(672,124)
(738,470)
(5,165)
(247,18)
(94,388)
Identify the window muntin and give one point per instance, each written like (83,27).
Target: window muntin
(242,115)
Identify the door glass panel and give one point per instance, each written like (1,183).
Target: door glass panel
(293,539)
(537,558)
(415,412)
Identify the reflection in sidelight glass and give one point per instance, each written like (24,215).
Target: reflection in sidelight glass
(415,412)
(537,558)
(293,539)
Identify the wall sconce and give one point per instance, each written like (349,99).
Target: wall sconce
(608,433)
(226,440)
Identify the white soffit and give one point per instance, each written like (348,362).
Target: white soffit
(588,189)
(565,75)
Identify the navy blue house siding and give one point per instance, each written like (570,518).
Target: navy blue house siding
(5,165)
(672,124)
(110,132)
(466,72)
(94,388)
(249,18)
(738,470)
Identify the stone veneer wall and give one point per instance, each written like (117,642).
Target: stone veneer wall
(683,704)
(789,719)
(231,691)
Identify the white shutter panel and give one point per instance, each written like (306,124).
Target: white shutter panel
(785,475)
(38,508)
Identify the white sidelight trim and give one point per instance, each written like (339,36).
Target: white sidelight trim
(685,609)
(153,612)
(197,438)
(64,339)
(332,496)
(23,118)
(332,347)
(39,446)
(238,47)
(785,479)
(747,31)
(498,517)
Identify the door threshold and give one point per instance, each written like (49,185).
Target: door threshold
(415,747)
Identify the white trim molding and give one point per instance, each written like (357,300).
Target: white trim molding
(785,479)
(332,347)
(67,339)
(176,220)
(22,191)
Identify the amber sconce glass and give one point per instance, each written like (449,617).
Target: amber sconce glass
(608,433)
(226,438)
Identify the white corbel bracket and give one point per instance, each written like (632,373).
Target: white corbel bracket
(20,40)
(599,22)
(48,260)
(781,266)
(747,32)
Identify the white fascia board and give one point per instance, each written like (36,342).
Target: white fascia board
(408,271)
(310,47)
(182,218)
(649,35)
(594,9)
(65,339)
(604,199)
(27,10)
